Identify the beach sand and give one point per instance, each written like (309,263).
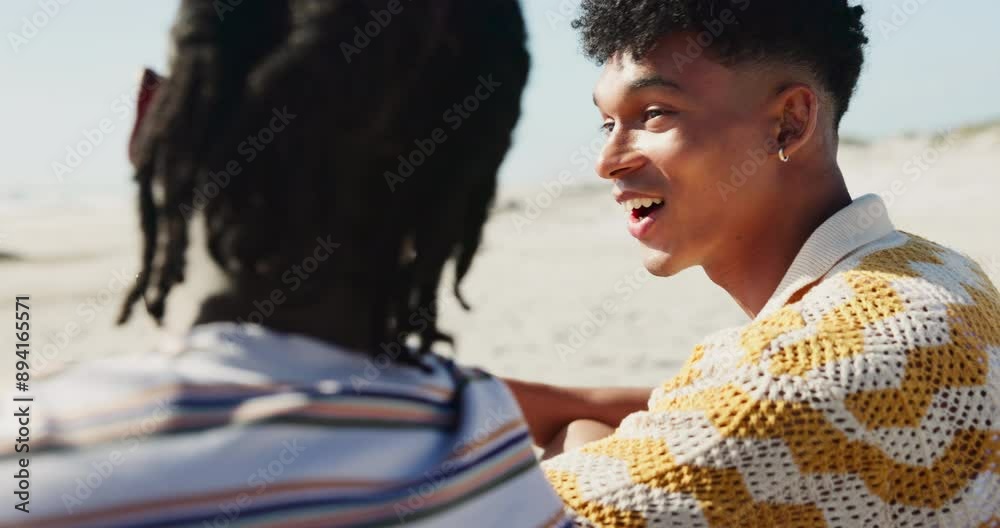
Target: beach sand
(558,290)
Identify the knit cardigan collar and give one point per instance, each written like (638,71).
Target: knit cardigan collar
(864,221)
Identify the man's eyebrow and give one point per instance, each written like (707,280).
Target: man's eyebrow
(653,80)
(649,81)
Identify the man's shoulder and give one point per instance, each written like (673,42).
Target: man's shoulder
(889,312)
(89,402)
(91,383)
(907,273)
(896,299)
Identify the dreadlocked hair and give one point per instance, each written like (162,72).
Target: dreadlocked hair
(355,108)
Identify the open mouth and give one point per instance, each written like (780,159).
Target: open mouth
(639,208)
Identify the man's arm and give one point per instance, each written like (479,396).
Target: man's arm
(548,409)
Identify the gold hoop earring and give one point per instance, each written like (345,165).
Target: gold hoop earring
(782,156)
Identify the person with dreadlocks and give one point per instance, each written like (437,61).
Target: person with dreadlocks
(307,392)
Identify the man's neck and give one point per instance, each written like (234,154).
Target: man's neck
(341,316)
(753,269)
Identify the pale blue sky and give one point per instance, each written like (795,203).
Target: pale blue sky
(941,68)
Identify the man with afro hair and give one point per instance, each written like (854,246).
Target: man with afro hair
(865,390)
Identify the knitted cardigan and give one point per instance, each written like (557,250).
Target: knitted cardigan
(871,400)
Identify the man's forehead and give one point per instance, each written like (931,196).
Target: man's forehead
(623,74)
(671,61)
(625,68)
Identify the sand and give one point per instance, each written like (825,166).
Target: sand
(558,291)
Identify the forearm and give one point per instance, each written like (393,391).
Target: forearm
(548,409)
(612,404)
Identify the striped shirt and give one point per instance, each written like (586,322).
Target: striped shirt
(237,425)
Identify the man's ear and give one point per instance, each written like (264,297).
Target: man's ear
(796,113)
(149,84)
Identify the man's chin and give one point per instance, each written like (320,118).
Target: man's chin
(661,263)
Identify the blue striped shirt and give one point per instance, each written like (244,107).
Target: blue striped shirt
(237,425)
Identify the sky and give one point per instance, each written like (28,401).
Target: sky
(931,64)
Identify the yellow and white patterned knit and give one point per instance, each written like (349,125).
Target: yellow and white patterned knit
(871,400)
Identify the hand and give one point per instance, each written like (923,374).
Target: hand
(576,434)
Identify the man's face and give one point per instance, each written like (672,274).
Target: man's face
(696,137)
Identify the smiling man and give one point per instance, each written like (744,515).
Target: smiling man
(865,390)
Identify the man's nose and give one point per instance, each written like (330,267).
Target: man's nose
(618,159)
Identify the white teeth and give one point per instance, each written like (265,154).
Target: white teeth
(636,203)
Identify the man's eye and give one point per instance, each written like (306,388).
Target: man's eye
(650,114)
(608,127)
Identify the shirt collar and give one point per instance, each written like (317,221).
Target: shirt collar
(864,221)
